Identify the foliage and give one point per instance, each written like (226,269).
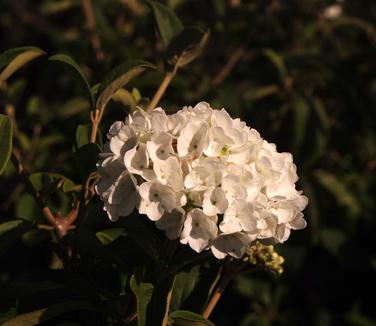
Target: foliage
(292,70)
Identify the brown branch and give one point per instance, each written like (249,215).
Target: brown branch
(229,66)
(226,278)
(162,88)
(87,7)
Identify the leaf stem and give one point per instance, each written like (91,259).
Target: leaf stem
(162,88)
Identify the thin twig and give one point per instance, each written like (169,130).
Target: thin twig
(162,88)
(229,66)
(87,7)
(226,278)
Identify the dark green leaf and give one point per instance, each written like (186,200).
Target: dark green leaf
(168,23)
(277,61)
(301,112)
(86,158)
(186,46)
(138,231)
(118,78)
(185,283)
(159,306)
(47,183)
(64,307)
(72,64)
(188,318)
(339,190)
(12,231)
(109,235)
(83,135)
(333,239)
(14,59)
(6,134)
(143,293)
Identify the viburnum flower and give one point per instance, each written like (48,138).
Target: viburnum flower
(203,177)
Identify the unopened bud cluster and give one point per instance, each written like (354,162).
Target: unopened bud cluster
(264,255)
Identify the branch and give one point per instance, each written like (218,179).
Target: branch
(87,7)
(162,88)
(229,66)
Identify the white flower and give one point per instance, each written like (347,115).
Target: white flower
(119,195)
(169,173)
(192,139)
(172,223)
(239,217)
(203,177)
(214,201)
(198,230)
(229,244)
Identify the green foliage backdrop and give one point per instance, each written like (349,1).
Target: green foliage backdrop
(302,76)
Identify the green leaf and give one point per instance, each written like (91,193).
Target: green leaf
(86,158)
(126,98)
(12,231)
(301,113)
(118,78)
(14,59)
(64,307)
(159,306)
(277,61)
(186,46)
(72,64)
(188,318)
(6,134)
(333,239)
(143,293)
(83,135)
(47,183)
(185,283)
(168,23)
(29,318)
(137,230)
(339,190)
(109,235)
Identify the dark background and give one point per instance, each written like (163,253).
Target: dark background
(303,73)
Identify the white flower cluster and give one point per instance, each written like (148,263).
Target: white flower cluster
(202,177)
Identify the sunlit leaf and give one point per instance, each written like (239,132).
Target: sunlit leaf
(126,98)
(118,78)
(83,135)
(188,318)
(109,235)
(6,134)
(29,318)
(75,68)
(14,59)
(168,23)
